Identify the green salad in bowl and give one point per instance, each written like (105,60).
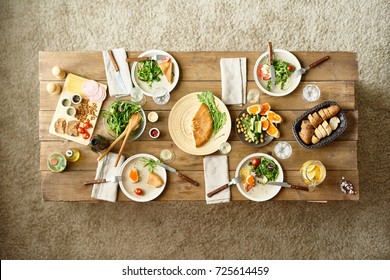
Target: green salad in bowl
(117,116)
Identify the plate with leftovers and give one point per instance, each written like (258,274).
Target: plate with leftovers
(285,63)
(142,179)
(256,170)
(256,125)
(199,123)
(149,75)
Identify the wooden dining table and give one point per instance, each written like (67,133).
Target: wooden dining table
(200,71)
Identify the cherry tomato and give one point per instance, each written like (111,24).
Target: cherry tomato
(290,68)
(86,135)
(263,72)
(81,130)
(138,191)
(87,125)
(255,162)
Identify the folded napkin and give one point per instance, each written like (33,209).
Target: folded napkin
(107,191)
(216,174)
(233,77)
(114,87)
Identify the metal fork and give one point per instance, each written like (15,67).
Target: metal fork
(221,188)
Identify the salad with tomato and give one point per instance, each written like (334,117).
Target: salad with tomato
(283,71)
(264,168)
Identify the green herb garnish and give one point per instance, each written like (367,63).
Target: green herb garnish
(150,163)
(219,118)
(118,115)
(281,73)
(149,71)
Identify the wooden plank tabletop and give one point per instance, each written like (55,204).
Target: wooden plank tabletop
(201,71)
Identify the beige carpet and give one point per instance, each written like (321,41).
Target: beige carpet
(31,229)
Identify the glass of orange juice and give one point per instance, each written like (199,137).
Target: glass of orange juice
(313,173)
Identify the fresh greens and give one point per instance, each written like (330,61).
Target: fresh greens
(281,73)
(219,118)
(266,168)
(149,71)
(117,116)
(150,163)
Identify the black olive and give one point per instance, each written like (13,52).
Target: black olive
(271,166)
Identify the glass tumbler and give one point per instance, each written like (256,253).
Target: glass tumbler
(161,96)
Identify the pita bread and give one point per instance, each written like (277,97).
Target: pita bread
(166,68)
(154,180)
(60,126)
(202,125)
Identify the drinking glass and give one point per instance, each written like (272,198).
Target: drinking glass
(161,96)
(311,93)
(167,155)
(313,173)
(283,150)
(137,96)
(225,148)
(253,96)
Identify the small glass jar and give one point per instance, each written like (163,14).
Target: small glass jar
(99,143)
(72,155)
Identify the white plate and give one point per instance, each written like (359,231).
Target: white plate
(180,126)
(259,192)
(128,187)
(163,82)
(291,83)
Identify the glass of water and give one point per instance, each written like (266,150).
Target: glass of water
(311,93)
(253,96)
(137,96)
(161,96)
(283,150)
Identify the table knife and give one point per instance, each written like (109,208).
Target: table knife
(113,179)
(117,72)
(287,185)
(153,57)
(173,170)
(304,70)
(273,77)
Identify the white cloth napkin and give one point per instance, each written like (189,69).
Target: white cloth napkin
(107,191)
(114,86)
(233,78)
(216,174)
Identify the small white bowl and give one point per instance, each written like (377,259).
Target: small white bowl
(151,132)
(76,99)
(70,111)
(152,117)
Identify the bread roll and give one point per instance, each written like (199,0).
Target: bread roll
(315,119)
(314,139)
(322,114)
(334,123)
(305,136)
(318,134)
(327,128)
(333,110)
(322,130)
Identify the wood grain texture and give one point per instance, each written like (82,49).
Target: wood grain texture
(68,186)
(204,66)
(201,71)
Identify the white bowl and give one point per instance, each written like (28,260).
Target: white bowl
(292,82)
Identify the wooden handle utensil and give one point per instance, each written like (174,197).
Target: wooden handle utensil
(184,177)
(102,155)
(221,188)
(113,61)
(133,123)
(325,58)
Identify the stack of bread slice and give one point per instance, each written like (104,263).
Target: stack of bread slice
(317,127)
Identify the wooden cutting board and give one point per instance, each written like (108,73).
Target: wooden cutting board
(73,85)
